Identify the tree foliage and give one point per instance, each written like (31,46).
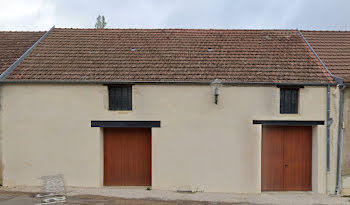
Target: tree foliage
(100,22)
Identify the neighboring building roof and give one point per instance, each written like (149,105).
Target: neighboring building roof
(333,47)
(172,55)
(14,44)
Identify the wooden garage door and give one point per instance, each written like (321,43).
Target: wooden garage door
(286,158)
(127,156)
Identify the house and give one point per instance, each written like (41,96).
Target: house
(12,46)
(333,48)
(175,109)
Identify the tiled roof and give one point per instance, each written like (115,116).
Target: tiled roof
(13,45)
(333,47)
(171,55)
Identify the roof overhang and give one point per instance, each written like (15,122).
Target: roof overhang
(281,84)
(142,124)
(289,122)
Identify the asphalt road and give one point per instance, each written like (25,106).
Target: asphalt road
(23,198)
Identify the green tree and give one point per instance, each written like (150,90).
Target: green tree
(100,22)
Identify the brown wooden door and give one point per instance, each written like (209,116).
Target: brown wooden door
(297,158)
(286,158)
(272,158)
(127,157)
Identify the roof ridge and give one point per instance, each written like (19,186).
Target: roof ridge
(191,29)
(181,29)
(325,31)
(21,31)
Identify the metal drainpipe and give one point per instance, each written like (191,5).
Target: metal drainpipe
(340,141)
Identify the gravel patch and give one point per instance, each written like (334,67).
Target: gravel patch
(141,193)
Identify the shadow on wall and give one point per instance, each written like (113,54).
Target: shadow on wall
(1,169)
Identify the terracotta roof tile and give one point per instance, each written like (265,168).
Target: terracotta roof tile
(186,55)
(333,47)
(14,44)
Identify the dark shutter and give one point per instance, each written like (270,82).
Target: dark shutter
(289,100)
(120,97)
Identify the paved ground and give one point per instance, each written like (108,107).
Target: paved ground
(137,196)
(25,198)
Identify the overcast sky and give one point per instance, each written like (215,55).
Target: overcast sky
(226,14)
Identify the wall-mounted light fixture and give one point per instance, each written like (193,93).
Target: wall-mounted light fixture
(216,84)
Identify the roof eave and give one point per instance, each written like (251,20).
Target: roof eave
(167,82)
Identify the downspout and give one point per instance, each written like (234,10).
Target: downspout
(329,123)
(339,81)
(338,188)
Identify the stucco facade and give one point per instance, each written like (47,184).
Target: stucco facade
(346,144)
(46,129)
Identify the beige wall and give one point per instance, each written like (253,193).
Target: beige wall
(346,140)
(201,146)
(334,110)
(346,144)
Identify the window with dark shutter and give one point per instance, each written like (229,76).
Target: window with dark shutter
(289,98)
(120,97)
